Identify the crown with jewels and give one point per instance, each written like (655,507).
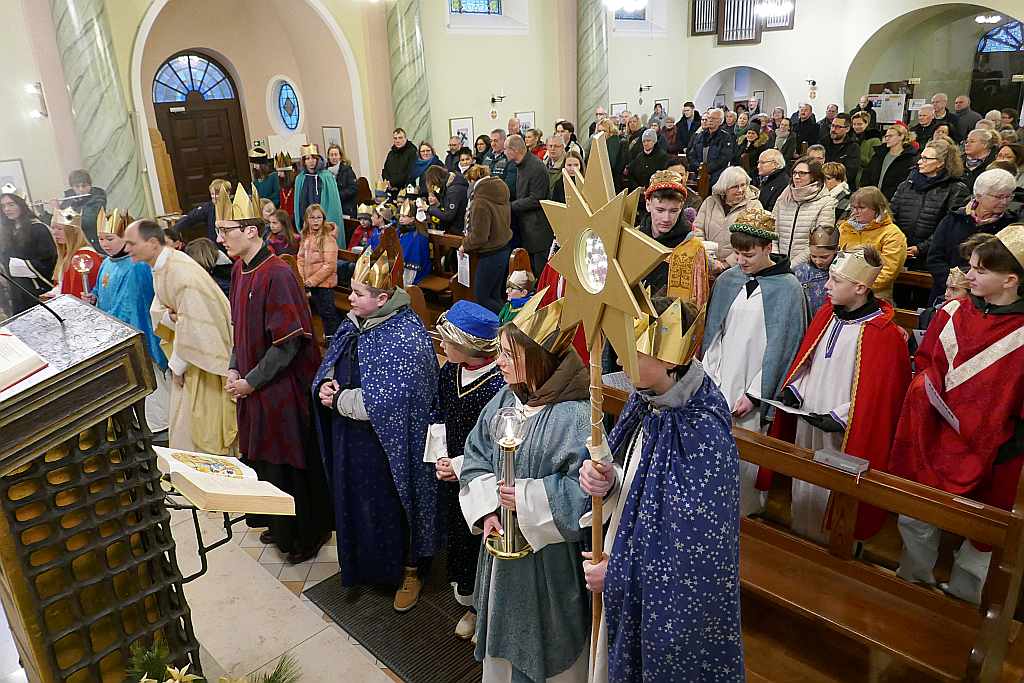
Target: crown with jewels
(756,222)
(852,266)
(543,325)
(310,150)
(365,210)
(68,216)
(827,238)
(664,338)
(1012,237)
(114,224)
(283,162)
(376,274)
(665,180)
(243,208)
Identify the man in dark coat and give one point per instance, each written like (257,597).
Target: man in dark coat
(944,116)
(399,160)
(841,145)
(643,165)
(925,127)
(966,117)
(805,128)
(771,177)
(528,217)
(687,126)
(715,146)
(88,200)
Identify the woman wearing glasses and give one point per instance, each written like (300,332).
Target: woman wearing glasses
(803,206)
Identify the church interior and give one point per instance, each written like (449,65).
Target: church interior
(162,134)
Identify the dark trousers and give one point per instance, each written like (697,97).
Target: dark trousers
(321,300)
(489,279)
(539,259)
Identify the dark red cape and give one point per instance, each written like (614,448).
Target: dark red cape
(880,382)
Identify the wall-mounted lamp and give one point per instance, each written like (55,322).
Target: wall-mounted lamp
(643,89)
(497,98)
(36,88)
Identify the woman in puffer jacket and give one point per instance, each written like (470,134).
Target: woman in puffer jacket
(803,206)
(730,194)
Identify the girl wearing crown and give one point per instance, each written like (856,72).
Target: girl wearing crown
(75,256)
(671,579)
(533,615)
(960,430)
(316,185)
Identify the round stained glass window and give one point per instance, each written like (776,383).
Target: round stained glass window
(592,262)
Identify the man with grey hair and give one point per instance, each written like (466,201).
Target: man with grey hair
(715,147)
(817,152)
(528,219)
(925,127)
(555,159)
(940,102)
(771,178)
(824,126)
(514,126)
(451,160)
(988,212)
(980,149)
(967,118)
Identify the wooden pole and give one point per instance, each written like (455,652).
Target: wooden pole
(597,503)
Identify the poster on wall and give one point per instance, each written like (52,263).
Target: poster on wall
(664,105)
(462,128)
(12,171)
(527,120)
(890,107)
(914,105)
(333,135)
(617,108)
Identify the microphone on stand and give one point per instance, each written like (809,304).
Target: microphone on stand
(33,295)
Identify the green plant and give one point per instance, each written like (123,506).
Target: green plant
(286,671)
(149,662)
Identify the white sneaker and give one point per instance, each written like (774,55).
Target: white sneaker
(466,628)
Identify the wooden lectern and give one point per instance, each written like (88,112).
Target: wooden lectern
(87,563)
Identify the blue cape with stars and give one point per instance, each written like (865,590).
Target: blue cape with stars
(398,376)
(672,593)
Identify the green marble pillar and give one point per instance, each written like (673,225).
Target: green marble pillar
(591,59)
(408,70)
(101,116)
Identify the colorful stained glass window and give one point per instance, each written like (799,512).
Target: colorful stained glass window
(191,73)
(474,6)
(288,106)
(1006,38)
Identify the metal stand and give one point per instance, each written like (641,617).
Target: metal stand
(171,502)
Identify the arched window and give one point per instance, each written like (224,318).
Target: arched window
(288,105)
(1006,38)
(186,73)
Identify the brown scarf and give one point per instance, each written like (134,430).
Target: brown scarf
(569,382)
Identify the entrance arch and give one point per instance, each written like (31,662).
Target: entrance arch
(738,83)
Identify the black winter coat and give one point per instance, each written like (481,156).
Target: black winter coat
(918,212)
(527,215)
(347,189)
(897,172)
(721,150)
(806,131)
(846,153)
(398,164)
(32,243)
(643,166)
(685,130)
(945,249)
(771,187)
(204,215)
(450,210)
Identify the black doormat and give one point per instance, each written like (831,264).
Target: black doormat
(419,645)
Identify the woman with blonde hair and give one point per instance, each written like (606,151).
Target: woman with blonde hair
(66,228)
(870,224)
(204,214)
(318,265)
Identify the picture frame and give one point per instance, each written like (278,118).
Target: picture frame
(527,120)
(719,100)
(617,108)
(664,105)
(759,94)
(462,127)
(332,135)
(13,171)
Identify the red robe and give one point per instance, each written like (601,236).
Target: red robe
(71,280)
(555,283)
(975,361)
(879,385)
(267,308)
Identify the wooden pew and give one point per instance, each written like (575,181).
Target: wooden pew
(703,181)
(441,281)
(519,259)
(806,604)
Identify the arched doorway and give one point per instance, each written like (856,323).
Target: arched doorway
(737,84)
(198,114)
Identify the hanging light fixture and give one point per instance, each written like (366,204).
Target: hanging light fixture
(987,19)
(773,8)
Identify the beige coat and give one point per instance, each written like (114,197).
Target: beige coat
(794,221)
(713,221)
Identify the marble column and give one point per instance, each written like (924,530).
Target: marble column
(408,70)
(101,116)
(591,59)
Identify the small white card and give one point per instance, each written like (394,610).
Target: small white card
(463,269)
(940,405)
(785,408)
(19,268)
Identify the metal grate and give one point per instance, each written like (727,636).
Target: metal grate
(740,22)
(704,15)
(93,541)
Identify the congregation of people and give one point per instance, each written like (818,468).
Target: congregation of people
(796,255)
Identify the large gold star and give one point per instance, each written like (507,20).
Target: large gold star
(593,219)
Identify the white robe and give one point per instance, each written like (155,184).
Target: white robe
(825,386)
(733,361)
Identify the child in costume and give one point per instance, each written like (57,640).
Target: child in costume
(415,245)
(72,249)
(281,237)
(367,231)
(957,287)
(836,376)
(971,357)
(813,273)
(534,617)
(671,578)
(518,290)
(316,185)
(375,390)
(466,383)
(756,319)
(285,169)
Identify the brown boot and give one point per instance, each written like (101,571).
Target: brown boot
(408,595)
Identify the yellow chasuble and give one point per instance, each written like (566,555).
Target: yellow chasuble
(198,340)
(688,272)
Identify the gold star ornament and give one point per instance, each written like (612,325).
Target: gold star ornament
(602,256)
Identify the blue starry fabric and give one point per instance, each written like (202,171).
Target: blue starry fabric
(672,594)
(398,376)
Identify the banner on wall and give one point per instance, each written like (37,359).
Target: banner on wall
(889,107)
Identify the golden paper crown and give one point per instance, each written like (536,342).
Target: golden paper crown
(376,274)
(258,155)
(665,180)
(309,150)
(9,188)
(957,278)
(114,224)
(68,216)
(663,337)
(824,237)
(757,222)
(364,209)
(542,325)
(283,162)
(407,209)
(851,265)
(242,209)
(1012,237)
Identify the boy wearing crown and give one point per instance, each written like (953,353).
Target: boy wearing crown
(272,364)
(192,317)
(961,428)
(756,319)
(671,577)
(367,235)
(315,185)
(851,373)
(685,275)
(466,383)
(415,245)
(374,391)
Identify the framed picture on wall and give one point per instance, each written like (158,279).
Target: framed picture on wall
(13,171)
(463,128)
(759,95)
(617,108)
(719,100)
(663,103)
(333,135)
(527,120)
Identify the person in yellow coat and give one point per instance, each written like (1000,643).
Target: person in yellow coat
(870,223)
(192,317)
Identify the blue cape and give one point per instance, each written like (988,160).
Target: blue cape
(124,289)
(398,375)
(672,592)
(416,253)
